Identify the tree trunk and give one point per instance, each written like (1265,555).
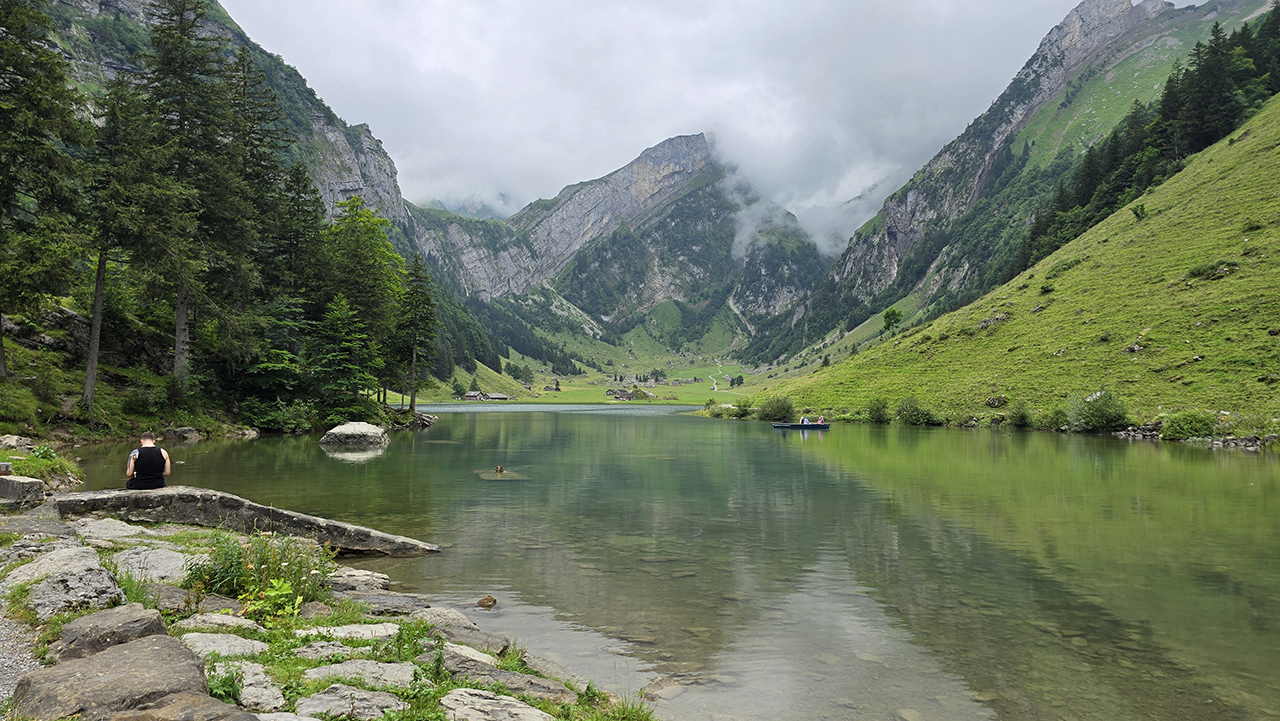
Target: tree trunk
(95,332)
(4,372)
(182,340)
(413,381)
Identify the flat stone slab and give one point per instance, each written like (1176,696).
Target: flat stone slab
(27,525)
(361,631)
(341,701)
(346,578)
(356,434)
(186,706)
(257,692)
(217,620)
(284,717)
(464,667)
(373,673)
(470,704)
(26,492)
(99,631)
(552,669)
(456,627)
(317,650)
(156,565)
(109,529)
(223,644)
(386,603)
(215,509)
(116,679)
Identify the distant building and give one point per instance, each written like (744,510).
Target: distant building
(473,396)
(495,397)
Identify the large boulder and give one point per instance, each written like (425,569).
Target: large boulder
(116,679)
(96,632)
(339,701)
(470,704)
(373,673)
(67,579)
(187,706)
(24,492)
(355,435)
(215,509)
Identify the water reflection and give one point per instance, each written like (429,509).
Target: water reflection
(855,573)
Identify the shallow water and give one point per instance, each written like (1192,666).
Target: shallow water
(859,573)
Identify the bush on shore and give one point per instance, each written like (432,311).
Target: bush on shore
(878,411)
(1188,424)
(259,571)
(777,408)
(911,413)
(1101,412)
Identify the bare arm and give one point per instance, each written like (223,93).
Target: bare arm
(128,471)
(167,465)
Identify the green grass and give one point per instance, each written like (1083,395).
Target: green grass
(1127,316)
(44,469)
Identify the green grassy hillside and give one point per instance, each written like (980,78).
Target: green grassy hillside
(1175,311)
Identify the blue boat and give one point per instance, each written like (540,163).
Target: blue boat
(803,426)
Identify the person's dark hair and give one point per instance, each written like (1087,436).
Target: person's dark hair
(148,436)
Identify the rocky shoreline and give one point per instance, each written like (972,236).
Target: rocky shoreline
(122,641)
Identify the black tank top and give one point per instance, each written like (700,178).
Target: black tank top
(148,469)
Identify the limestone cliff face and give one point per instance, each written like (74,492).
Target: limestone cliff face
(545,236)
(100,37)
(950,184)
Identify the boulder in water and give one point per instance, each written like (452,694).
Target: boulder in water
(356,434)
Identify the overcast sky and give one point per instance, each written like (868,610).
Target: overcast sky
(815,100)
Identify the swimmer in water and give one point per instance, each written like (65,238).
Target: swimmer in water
(498,469)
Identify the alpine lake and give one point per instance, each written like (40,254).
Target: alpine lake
(879,573)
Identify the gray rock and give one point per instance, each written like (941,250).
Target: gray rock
(373,673)
(172,598)
(27,525)
(469,704)
(552,669)
(186,433)
(65,580)
(355,435)
(346,578)
(341,701)
(217,621)
(16,443)
(444,618)
(257,692)
(90,634)
(187,706)
(317,650)
(25,492)
(159,565)
(33,546)
(386,603)
(362,631)
(284,717)
(223,644)
(109,529)
(204,507)
(464,668)
(312,609)
(116,679)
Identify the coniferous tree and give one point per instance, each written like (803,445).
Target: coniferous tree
(362,265)
(343,359)
(417,320)
(135,206)
(37,177)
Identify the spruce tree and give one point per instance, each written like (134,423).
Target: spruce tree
(343,360)
(37,176)
(362,265)
(135,206)
(417,320)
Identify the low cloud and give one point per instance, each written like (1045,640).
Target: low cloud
(816,102)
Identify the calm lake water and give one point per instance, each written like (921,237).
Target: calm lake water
(860,573)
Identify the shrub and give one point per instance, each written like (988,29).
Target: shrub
(1213,271)
(1188,424)
(1101,412)
(878,411)
(1055,419)
(1019,416)
(777,408)
(247,571)
(141,402)
(294,417)
(911,413)
(716,411)
(741,409)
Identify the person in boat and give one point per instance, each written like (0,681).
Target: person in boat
(804,421)
(148,465)
(822,420)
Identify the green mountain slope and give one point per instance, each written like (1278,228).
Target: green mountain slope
(1173,312)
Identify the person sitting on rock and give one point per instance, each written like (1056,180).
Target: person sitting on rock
(148,465)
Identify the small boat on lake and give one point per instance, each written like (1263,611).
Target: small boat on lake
(803,426)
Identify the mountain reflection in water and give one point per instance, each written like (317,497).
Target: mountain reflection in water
(854,573)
